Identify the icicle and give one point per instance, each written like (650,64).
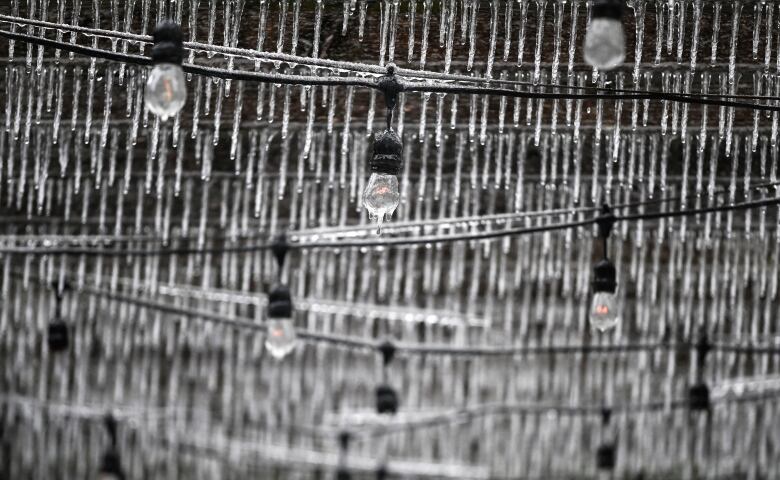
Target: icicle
(540,10)
(758,9)
(492,40)
(234,138)
(737,6)
(521,32)
(411,18)
(507,29)
(697,8)
(472,34)
(715,33)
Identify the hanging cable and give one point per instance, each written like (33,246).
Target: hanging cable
(392,242)
(429,87)
(420,348)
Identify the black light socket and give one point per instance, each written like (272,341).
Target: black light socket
(111,465)
(280,302)
(386,400)
(609,9)
(606,457)
(58,336)
(386,156)
(604,277)
(168,43)
(699,397)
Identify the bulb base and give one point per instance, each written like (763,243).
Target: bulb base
(604,277)
(611,9)
(111,466)
(168,43)
(58,337)
(280,302)
(606,457)
(386,157)
(386,400)
(699,397)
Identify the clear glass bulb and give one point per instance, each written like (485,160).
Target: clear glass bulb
(166,90)
(281,338)
(605,43)
(604,311)
(381,198)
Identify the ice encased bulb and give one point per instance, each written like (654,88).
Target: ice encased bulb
(604,311)
(605,43)
(381,197)
(281,338)
(166,90)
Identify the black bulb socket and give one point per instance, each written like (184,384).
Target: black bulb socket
(607,9)
(606,457)
(111,465)
(168,43)
(343,474)
(386,157)
(699,397)
(386,400)
(280,302)
(58,336)
(604,277)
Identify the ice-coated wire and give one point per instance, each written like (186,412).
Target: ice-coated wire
(389,242)
(407,348)
(426,87)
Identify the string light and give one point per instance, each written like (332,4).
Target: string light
(382,195)
(111,464)
(604,314)
(281,337)
(699,393)
(166,89)
(606,454)
(58,337)
(386,397)
(605,42)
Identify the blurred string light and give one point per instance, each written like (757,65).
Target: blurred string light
(111,463)
(166,88)
(58,335)
(605,42)
(281,337)
(604,314)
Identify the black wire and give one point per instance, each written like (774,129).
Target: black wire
(418,348)
(390,242)
(430,87)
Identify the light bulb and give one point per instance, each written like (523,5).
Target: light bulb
(605,43)
(603,311)
(281,338)
(166,91)
(381,198)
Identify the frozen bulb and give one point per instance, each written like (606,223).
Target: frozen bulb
(281,338)
(603,311)
(605,43)
(381,197)
(166,91)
